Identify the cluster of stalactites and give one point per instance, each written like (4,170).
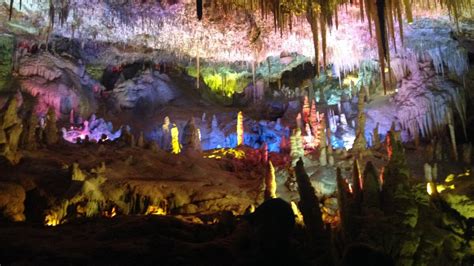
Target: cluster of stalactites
(384,15)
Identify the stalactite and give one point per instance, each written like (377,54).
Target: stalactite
(378,15)
(322,24)
(399,19)
(312,19)
(199,9)
(408,12)
(390,23)
(51,14)
(368,12)
(11,10)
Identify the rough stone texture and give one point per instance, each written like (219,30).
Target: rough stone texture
(57,82)
(12,197)
(10,131)
(6,52)
(150,87)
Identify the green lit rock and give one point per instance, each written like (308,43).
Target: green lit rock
(408,248)
(461,197)
(411,215)
(6,51)
(222,81)
(95,71)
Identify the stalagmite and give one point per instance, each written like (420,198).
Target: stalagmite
(306,109)
(132,141)
(343,202)
(323,133)
(371,187)
(376,138)
(30,141)
(331,159)
(298,216)
(297,149)
(360,143)
(467,153)
(264,153)
(154,146)
(356,181)
(166,134)
(428,172)
(323,159)
(71,117)
(51,131)
(434,172)
(299,121)
(191,136)
(10,132)
(270,182)
(175,145)
(438,150)
(309,204)
(77,174)
(141,140)
(240,129)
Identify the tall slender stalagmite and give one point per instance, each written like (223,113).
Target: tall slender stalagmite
(309,204)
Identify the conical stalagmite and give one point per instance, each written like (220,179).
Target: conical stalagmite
(154,146)
(264,153)
(166,134)
(356,178)
(175,145)
(77,174)
(343,201)
(51,130)
(309,204)
(323,158)
(270,182)
(30,140)
(376,137)
(10,132)
(141,140)
(297,149)
(467,153)
(299,121)
(371,187)
(240,129)
(191,138)
(360,143)
(428,172)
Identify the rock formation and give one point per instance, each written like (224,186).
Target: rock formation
(270,182)
(57,82)
(51,130)
(191,136)
(12,197)
(149,87)
(175,145)
(10,131)
(297,150)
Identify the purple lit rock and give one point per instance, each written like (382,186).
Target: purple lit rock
(57,82)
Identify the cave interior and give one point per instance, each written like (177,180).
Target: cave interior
(236,132)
